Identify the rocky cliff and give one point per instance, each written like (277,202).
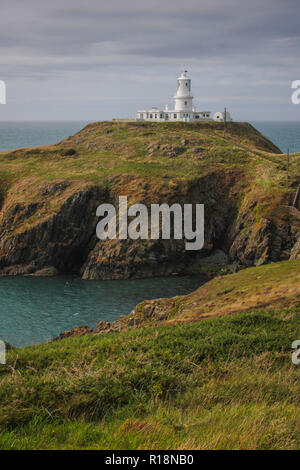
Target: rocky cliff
(49,197)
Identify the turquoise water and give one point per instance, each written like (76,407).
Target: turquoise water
(33,310)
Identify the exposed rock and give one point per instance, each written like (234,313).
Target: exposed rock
(102,326)
(149,312)
(69,152)
(118,259)
(217,257)
(256,242)
(79,331)
(18,270)
(48,271)
(92,146)
(295,253)
(61,240)
(67,239)
(49,189)
(175,151)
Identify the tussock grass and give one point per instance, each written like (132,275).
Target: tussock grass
(223,383)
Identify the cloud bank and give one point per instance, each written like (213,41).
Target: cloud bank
(96,60)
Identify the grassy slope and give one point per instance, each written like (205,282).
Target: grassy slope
(107,149)
(271,285)
(275,284)
(222,383)
(225,382)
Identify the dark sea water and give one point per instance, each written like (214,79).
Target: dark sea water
(29,134)
(33,310)
(283,134)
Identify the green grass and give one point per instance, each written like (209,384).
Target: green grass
(267,286)
(221,383)
(124,150)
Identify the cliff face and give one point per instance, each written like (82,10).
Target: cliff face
(49,197)
(31,241)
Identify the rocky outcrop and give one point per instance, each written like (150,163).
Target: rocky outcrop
(60,240)
(65,241)
(78,331)
(295,253)
(48,271)
(115,259)
(48,227)
(148,313)
(263,241)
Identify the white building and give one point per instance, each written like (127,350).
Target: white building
(219,116)
(183,110)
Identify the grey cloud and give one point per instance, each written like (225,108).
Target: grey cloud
(137,47)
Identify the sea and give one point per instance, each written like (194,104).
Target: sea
(34,310)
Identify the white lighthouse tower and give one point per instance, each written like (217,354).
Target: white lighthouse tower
(183,97)
(183,109)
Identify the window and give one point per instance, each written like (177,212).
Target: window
(150,116)
(175,116)
(185,102)
(155,116)
(197,117)
(161,116)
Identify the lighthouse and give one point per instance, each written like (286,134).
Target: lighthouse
(183,97)
(183,108)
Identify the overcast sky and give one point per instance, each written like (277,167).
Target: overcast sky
(95,59)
